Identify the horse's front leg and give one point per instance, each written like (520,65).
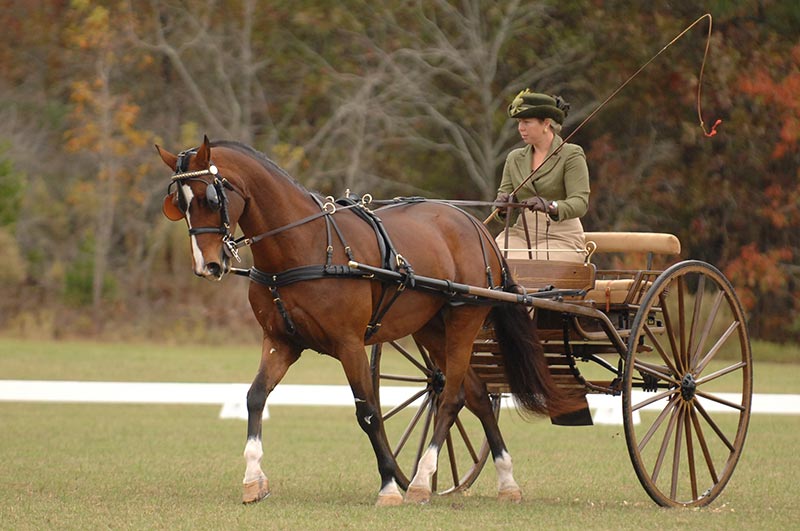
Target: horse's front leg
(369,418)
(275,360)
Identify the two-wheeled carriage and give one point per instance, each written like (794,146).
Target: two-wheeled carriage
(672,342)
(335,277)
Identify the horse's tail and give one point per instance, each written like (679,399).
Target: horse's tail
(526,368)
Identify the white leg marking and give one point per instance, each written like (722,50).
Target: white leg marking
(505,473)
(391,489)
(426,468)
(253,452)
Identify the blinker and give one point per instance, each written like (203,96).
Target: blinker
(212,196)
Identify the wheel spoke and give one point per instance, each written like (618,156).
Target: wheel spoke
(718,400)
(690,451)
(713,352)
(654,398)
(676,450)
(656,424)
(668,330)
(451,452)
(467,442)
(405,404)
(655,370)
(713,425)
(701,438)
(682,325)
(426,426)
(411,426)
(664,444)
(719,373)
(423,352)
(402,378)
(698,304)
(410,357)
(660,349)
(712,316)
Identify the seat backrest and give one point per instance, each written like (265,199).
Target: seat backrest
(632,244)
(537,274)
(635,242)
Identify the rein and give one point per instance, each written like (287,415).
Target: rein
(329,208)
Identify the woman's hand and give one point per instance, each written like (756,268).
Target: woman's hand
(502,197)
(536,204)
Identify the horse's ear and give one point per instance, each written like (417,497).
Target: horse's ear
(203,156)
(170,208)
(168,158)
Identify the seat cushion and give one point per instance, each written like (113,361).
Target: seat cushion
(610,291)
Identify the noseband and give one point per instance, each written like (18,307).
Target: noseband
(215,196)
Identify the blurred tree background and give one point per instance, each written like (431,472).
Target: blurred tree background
(390,97)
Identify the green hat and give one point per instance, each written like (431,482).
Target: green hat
(529,104)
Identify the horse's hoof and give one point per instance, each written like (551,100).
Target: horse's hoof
(255,491)
(510,495)
(389,500)
(418,495)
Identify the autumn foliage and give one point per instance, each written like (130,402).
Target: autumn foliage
(391,98)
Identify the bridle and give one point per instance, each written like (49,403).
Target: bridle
(216,197)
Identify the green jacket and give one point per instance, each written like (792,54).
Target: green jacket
(564,177)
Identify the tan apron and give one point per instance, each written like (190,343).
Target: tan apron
(564,240)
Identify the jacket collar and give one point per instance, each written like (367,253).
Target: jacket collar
(525,159)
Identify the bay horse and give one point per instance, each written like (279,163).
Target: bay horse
(305,296)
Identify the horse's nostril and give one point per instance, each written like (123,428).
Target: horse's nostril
(214,268)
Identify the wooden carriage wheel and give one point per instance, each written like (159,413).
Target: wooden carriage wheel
(687,385)
(407,427)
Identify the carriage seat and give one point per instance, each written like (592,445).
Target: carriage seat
(621,290)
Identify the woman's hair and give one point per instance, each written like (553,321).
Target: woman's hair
(556,127)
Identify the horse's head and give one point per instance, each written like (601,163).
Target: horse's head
(199,194)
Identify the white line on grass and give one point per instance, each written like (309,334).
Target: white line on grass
(231,396)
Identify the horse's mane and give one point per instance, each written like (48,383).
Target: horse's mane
(264,160)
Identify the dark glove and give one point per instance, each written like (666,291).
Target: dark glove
(536,204)
(502,197)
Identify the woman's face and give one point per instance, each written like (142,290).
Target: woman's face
(532,130)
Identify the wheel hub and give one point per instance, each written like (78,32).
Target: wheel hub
(437,381)
(688,387)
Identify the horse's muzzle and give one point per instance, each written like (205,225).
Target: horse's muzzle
(214,271)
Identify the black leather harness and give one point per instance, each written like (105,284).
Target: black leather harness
(390,258)
(395,271)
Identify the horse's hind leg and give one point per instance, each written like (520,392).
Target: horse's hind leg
(478,402)
(275,360)
(460,328)
(369,418)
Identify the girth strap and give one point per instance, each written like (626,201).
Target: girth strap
(299,274)
(273,281)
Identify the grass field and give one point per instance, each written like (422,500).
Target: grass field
(73,466)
